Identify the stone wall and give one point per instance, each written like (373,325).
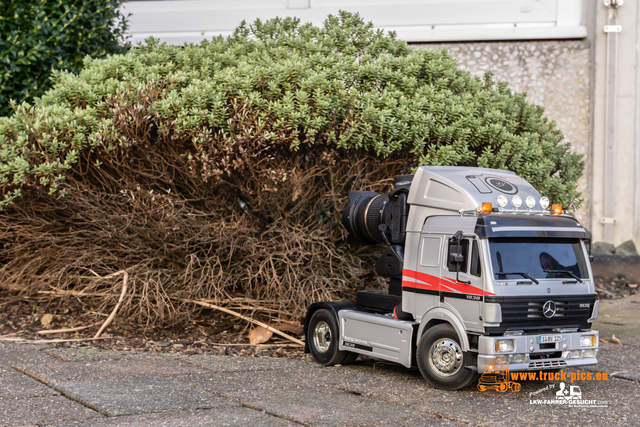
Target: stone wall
(555,75)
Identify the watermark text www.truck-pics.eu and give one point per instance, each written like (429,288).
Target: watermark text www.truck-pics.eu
(482,272)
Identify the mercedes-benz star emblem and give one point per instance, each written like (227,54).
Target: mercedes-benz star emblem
(549,309)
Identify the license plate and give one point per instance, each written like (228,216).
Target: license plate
(545,339)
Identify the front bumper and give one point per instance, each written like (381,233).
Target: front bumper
(529,355)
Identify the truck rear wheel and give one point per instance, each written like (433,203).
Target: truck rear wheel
(441,359)
(323,336)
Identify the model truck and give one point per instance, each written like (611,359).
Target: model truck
(476,278)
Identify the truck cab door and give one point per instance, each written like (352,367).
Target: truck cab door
(463,294)
(421,286)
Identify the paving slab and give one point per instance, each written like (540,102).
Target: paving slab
(619,317)
(42,410)
(92,354)
(503,409)
(230,416)
(141,395)
(304,374)
(317,406)
(242,363)
(14,385)
(491,407)
(614,358)
(102,369)
(628,375)
(14,354)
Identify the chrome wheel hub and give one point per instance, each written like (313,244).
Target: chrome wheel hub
(445,357)
(322,337)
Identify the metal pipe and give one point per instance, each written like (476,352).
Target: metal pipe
(612,29)
(636,222)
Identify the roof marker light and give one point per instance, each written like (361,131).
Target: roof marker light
(544,203)
(530,202)
(486,208)
(516,202)
(502,201)
(556,209)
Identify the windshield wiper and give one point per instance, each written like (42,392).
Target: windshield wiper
(564,271)
(525,275)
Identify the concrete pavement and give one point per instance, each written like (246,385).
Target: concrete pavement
(47,386)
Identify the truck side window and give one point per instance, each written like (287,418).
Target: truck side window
(465,252)
(430,252)
(475,268)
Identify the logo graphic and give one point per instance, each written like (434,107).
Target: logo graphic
(496,377)
(549,309)
(572,393)
(501,185)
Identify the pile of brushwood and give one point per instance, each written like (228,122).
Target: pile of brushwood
(218,172)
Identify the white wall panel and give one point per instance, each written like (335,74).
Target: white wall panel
(177,21)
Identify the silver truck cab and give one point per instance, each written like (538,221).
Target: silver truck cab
(483,280)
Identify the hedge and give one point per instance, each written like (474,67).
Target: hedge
(39,36)
(221,169)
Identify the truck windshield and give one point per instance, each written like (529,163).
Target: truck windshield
(538,258)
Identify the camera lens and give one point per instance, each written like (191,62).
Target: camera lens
(363,215)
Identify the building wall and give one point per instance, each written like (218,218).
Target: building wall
(625,172)
(554,74)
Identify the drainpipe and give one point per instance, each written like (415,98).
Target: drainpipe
(612,29)
(636,227)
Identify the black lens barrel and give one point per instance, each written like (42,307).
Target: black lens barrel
(367,210)
(363,215)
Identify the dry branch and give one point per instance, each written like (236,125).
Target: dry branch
(66,330)
(255,322)
(265,225)
(115,309)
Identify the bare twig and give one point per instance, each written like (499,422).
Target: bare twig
(66,330)
(63,292)
(255,322)
(115,309)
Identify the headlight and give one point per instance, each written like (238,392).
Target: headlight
(544,203)
(587,340)
(530,202)
(504,346)
(516,201)
(575,354)
(518,358)
(590,353)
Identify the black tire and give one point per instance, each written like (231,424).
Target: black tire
(441,360)
(322,336)
(350,358)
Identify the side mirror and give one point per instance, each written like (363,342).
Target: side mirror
(455,254)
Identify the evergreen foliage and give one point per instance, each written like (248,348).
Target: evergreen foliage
(224,166)
(39,36)
(343,85)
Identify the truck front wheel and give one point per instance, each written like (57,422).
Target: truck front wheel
(322,336)
(442,361)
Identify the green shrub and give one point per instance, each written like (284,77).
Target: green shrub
(220,168)
(39,36)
